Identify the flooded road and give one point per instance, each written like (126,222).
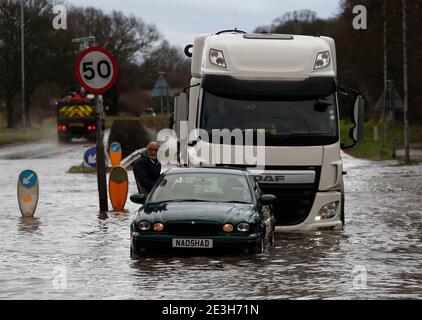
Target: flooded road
(68,252)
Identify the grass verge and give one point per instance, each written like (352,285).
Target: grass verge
(36,132)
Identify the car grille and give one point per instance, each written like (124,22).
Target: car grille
(193,229)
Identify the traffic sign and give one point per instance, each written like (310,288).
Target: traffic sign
(28,193)
(115,147)
(115,154)
(90,157)
(396,103)
(96,70)
(28,178)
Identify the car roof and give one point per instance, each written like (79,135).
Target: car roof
(234,171)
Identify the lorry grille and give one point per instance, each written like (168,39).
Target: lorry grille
(294,201)
(293,204)
(196,229)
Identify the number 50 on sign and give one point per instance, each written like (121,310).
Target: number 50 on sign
(96,70)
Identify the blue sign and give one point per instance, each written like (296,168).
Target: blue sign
(115,146)
(28,178)
(90,157)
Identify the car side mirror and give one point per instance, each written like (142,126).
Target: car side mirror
(138,198)
(267,198)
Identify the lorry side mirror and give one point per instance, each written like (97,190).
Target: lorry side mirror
(358,113)
(355,133)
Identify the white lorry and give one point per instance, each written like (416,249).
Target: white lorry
(283,86)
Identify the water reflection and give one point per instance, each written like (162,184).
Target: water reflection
(383,234)
(29,224)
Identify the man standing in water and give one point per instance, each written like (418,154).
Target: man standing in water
(147,168)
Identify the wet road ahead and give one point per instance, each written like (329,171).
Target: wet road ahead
(67,252)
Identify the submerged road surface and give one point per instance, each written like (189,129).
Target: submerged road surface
(68,252)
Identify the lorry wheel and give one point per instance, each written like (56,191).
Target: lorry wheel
(63,139)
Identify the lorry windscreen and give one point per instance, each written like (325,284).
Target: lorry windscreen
(294,122)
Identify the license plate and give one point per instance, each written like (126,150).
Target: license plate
(76,124)
(192,243)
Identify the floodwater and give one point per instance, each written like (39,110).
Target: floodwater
(68,252)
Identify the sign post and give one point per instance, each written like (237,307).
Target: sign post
(96,70)
(101,169)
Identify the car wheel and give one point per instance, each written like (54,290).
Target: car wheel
(132,254)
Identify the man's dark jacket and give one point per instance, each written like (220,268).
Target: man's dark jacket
(146,171)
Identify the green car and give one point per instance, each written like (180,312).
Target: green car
(203,209)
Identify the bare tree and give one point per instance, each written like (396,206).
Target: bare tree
(9,56)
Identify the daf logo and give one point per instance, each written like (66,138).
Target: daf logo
(270,178)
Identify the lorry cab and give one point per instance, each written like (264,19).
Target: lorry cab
(272,99)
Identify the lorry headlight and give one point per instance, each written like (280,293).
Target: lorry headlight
(322,60)
(328,211)
(217,58)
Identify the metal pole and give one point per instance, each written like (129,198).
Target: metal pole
(405,85)
(392,107)
(23,66)
(101,169)
(384,121)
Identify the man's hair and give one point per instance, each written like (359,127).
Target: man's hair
(152,143)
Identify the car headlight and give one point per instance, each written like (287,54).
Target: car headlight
(228,227)
(243,227)
(144,225)
(217,58)
(328,211)
(158,226)
(322,60)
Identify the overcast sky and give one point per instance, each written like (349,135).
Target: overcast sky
(180,20)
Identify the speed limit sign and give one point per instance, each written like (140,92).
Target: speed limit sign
(96,70)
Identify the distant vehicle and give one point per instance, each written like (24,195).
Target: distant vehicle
(76,118)
(203,208)
(149,112)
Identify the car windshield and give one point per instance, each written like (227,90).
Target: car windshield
(216,187)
